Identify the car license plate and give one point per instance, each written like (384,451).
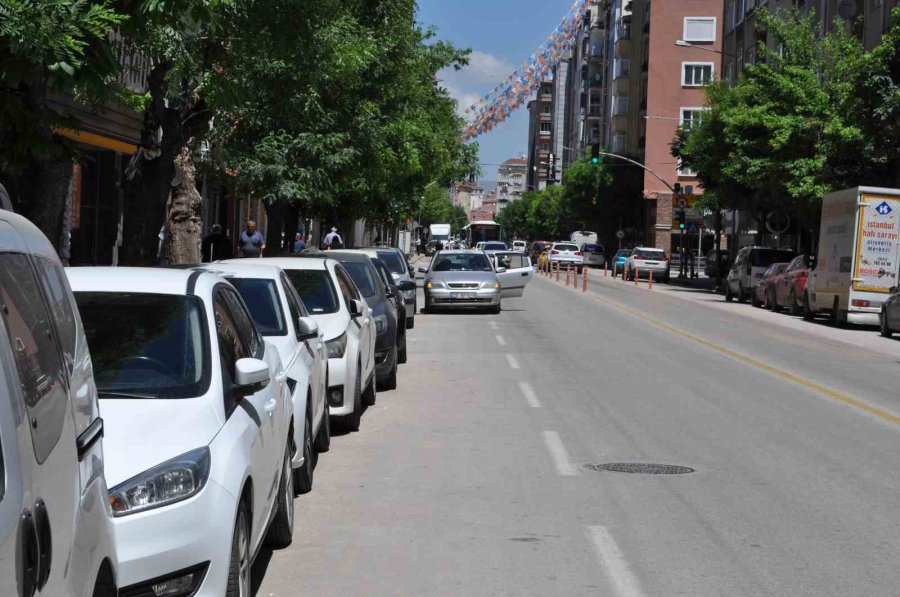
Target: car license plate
(461,296)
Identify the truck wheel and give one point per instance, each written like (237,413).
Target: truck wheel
(885,330)
(835,313)
(808,314)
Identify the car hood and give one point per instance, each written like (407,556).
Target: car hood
(140,434)
(332,324)
(462,276)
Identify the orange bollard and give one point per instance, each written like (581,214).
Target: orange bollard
(637,274)
(650,285)
(567,276)
(605,269)
(557,271)
(584,281)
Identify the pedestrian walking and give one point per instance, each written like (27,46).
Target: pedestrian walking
(299,244)
(690,254)
(215,246)
(333,240)
(420,246)
(251,242)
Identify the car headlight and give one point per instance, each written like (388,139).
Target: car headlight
(337,346)
(434,284)
(380,323)
(170,482)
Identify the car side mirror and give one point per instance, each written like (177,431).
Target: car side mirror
(500,270)
(251,376)
(356,308)
(407,285)
(307,329)
(423,270)
(893,290)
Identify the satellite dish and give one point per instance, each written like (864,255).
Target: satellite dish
(847,9)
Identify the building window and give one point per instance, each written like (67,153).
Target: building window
(546,109)
(545,127)
(682,171)
(700,29)
(691,116)
(545,147)
(695,74)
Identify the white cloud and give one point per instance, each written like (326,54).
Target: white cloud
(484,72)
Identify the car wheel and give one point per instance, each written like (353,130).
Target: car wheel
(808,314)
(354,417)
(728,296)
(742,296)
(754,300)
(303,476)
(281,529)
(370,393)
(834,316)
(401,355)
(410,323)
(323,437)
(773,302)
(390,383)
(795,308)
(239,565)
(496,309)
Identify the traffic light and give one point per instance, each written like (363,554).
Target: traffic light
(681,219)
(595,154)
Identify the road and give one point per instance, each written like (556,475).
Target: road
(474,478)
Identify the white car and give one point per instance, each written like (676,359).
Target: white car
(56,532)
(646,260)
(348,327)
(282,319)
(514,270)
(197,414)
(567,255)
(520,246)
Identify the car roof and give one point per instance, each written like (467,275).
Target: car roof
(143,280)
(318,263)
(238,269)
(349,255)
(461,252)
(648,249)
(18,234)
(367,252)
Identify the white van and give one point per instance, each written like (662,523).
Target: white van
(56,534)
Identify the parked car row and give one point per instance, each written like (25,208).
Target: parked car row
(216,385)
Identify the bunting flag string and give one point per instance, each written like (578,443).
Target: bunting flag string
(495,107)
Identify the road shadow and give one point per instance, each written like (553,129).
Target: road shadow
(339,428)
(260,566)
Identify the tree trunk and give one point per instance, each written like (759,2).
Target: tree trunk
(277,213)
(183,222)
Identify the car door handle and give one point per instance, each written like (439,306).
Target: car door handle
(524,274)
(270,406)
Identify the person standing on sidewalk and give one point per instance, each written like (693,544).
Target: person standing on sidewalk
(333,240)
(251,243)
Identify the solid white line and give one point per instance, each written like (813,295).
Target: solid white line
(501,340)
(625,583)
(559,455)
(530,396)
(513,363)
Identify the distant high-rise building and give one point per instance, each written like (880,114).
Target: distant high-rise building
(540,132)
(511,181)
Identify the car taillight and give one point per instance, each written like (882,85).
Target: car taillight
(666,258)
(860,303)
(578,253)
(554,252)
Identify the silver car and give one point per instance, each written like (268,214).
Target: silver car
(646,260)
(464,279)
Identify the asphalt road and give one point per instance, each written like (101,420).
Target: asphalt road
(473,477)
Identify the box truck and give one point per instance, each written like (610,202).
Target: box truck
(857,262)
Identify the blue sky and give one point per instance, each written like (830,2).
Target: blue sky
(502,34)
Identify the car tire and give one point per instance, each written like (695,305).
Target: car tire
(808,314)
(323,437)
(239,564)
(390,383)
(281,529)
(728,296)
(883,327)
(410,323)
(303,476)
(370,393)
(401,355)
(496,309)
(354,418)
(795,307)
(742,296)
(754,300)
(835,316)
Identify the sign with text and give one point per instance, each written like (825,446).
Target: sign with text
(878,244)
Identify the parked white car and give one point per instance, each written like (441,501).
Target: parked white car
(56,532)
(567,255)
(520,246)
(514,270)
(644,261)
(282,319)
(348,327)
(197,413)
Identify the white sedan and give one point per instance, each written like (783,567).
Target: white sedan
(348,326)
(196,413)
(282,319)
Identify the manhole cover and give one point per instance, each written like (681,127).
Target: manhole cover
(641,468)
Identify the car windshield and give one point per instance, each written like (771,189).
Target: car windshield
(315,289)
(566,248)
(262,299)
(393,261)
(362,276)
(650,254)
(146,345)
(462,262)
(766,257)
(494,246)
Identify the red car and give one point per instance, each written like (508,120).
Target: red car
(790,286)
(763,292)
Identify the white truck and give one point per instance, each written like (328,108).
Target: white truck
(859,255)
(440,233)
(583,237)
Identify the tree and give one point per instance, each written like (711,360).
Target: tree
(584,184)
(459,219)
(514,217)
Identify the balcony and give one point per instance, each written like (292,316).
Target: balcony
(623,31)
(618,143)
(135,65)
(595,110)
(622,68)
(620,106)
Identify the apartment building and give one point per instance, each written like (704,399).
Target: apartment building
(540,133)
(867,19)
(511,181)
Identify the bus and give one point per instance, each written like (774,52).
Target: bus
(481,231)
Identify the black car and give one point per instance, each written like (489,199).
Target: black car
(368,281)
(394,292)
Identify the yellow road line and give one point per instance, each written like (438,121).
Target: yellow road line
(786,375)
